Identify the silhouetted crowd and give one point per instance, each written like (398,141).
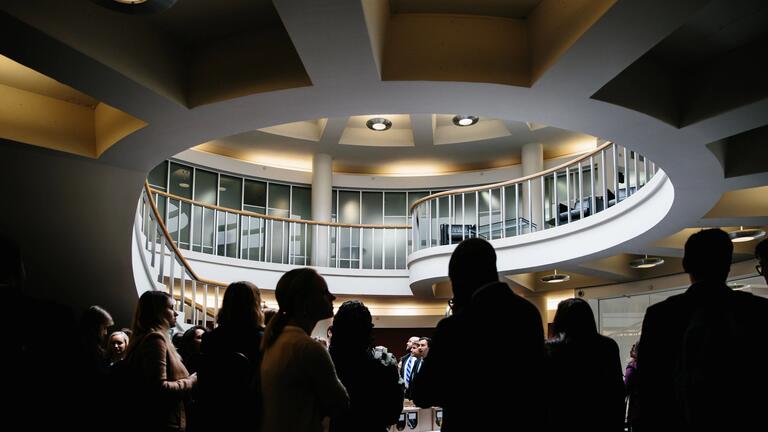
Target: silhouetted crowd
(488,364)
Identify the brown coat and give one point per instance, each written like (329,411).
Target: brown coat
(165,381)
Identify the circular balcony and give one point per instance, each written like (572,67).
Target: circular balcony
(584,207)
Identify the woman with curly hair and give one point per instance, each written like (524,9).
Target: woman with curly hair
(370,375)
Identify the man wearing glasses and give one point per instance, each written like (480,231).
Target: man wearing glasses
(761,253)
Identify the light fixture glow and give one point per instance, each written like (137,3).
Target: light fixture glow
(136,6)
(222,189)
(556,278)
(465,120)
(378,124)
(738,286)
(184,185)
(745,235)
(646,262)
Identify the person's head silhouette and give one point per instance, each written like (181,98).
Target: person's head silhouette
(708,255)
(574,319)
(472,265)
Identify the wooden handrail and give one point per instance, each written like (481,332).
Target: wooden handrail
(172,244)
(509,182)
(276,218)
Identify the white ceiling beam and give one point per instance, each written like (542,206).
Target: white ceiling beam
(331,37)
(611,44)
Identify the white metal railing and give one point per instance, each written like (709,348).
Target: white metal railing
(252,236)
(561,195)
(198,299)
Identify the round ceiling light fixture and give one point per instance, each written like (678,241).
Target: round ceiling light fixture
(745,235)
(378,124)
(646,262)
(465,120)
(184,185)
(556,278)
(136,6)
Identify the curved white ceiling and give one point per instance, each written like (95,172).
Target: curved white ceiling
(227,87)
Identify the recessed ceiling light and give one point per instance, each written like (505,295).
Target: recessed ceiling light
(744,235)
(646,262)
(136,6)
(465,120)
(222,189)
(556,278)
(184,185)
(378,124)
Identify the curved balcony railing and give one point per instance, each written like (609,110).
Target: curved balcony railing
(567,193)
(222,231)
(198,299)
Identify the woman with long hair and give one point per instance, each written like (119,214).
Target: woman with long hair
(229,378)
(587,387)
(299,386)
(162,378)
(369,375)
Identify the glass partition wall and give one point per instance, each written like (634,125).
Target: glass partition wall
(233,234)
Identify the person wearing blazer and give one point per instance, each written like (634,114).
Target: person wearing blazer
(165,384)
(413,340)
(410,367)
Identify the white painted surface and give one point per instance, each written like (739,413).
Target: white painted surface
(266,275)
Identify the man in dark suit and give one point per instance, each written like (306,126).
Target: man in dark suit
(698,359)
(413,340)
(410,367)
(503,391)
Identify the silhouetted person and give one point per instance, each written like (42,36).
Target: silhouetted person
(93,364)
(41,356)
(299,385)
(586,390)
(190,351)
(501,391)
(269,313)
(761,253)
(229,390)
(631,376)
(94,325)
(697,354)
(373,384)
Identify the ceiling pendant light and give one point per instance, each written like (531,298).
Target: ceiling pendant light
(378,124)
(744,235)
(556,278)
(646,262)
(465,120)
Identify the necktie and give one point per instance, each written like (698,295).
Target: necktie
(408,372)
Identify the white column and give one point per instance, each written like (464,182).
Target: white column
(322,189)
(532,163)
